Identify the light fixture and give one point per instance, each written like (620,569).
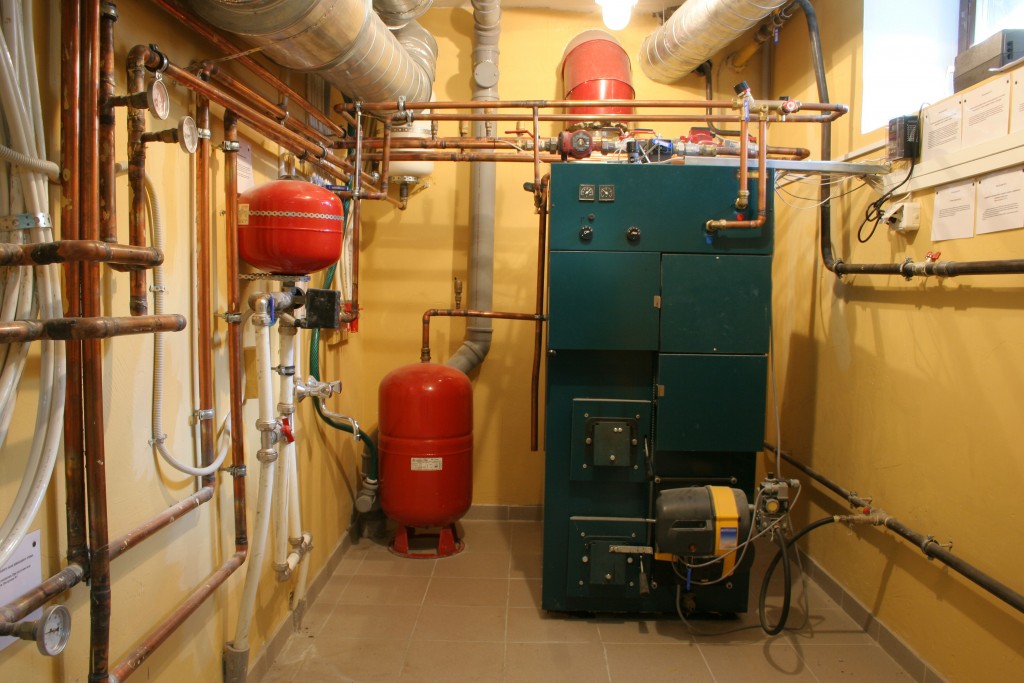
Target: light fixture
(616,13)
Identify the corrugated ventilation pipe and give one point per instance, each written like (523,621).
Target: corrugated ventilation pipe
(695,32)
(398,13)
(487,19)
(342,41)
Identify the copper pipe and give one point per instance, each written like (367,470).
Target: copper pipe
(536,157)
(781,106)
(268,108)
(238,54)
(108,200)
(92,356)
(432,155)
(794,153)
(235,329)
(68,251)
(88,328)
(574,118)
(33,599)
(270,128)
(438,143)
(762,188)
(464,313)
(351,315)
(130,664)
(204,298)
(74,449)
(136,80)
(122,544)
(538,334)
(743,197)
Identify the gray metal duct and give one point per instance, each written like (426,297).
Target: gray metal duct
(343,41)
(483,182)
(695,32)
(398,13)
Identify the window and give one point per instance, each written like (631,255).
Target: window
(980,19)
(909,48)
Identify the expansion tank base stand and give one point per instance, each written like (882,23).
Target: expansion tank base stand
(428,543)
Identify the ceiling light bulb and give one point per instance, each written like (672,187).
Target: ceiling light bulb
(616,13)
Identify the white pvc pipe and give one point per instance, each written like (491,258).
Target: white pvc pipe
(268,465)
(286,353)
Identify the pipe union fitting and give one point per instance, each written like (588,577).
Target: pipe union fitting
(286,408)
(266,455)
(269,439)
(268,425)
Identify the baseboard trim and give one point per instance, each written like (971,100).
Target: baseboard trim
(893,645)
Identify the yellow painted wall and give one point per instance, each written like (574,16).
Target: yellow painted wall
(906,391)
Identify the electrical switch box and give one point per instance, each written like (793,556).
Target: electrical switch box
(903,217)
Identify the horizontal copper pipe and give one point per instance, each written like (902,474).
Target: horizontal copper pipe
(119,545)
(432,155)
(464,313)
(88,328)
(29,602)
(771,105)
(79,250)
(653,118)
(155,638)
(437,143)
(239,54)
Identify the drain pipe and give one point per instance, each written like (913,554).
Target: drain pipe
(487,18)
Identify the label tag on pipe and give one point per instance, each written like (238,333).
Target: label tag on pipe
(426,464)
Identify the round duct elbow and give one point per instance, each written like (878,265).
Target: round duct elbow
(697,31)
(342,41)
(595,67)
(398,13)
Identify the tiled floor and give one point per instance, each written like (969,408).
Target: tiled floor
(476,617)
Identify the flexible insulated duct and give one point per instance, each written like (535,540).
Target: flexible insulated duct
(695,32)
(342,41)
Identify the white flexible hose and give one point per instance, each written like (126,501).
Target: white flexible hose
(47,168)
(24,123)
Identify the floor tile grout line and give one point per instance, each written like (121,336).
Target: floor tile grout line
(707,664)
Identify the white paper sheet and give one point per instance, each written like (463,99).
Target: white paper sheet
(953,217)
(20,574)
(245,177)
(1001,201)
(987,112)
(943,125)
(1017,101)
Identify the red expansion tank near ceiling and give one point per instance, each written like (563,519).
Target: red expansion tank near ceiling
(426,445)
(595,67)
(289,227)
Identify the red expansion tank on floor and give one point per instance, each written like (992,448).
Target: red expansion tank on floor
(289,227)
(426,451)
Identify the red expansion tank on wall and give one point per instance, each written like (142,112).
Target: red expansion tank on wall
(426,452)
(289,227)
(595,67)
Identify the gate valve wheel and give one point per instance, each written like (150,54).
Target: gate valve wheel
(286,429)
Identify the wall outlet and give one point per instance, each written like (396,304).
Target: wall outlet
(903,216)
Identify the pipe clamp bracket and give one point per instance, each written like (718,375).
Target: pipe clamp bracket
(284,370)
(230,146)
(202,414)
(26,221)
(236,472)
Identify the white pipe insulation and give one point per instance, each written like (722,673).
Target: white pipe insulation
(696,31)
(342,41)
(483,180)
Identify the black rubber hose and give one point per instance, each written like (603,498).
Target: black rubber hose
(787,590)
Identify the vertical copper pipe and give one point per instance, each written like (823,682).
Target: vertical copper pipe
(536,157)
(234,330)
(74,465)
(538,334)
(108,200)
(762,168)
(136,72)
(99,561)
(741,200)
(204,306)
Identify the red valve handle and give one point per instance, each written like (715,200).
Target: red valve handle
(286,429)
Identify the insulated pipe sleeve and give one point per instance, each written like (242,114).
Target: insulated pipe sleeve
(398,13)
(695,32)
(342,41)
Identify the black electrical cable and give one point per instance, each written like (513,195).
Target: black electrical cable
(787,591)
(873,214)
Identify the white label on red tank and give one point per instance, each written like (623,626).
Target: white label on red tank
(426,464)
(243,214)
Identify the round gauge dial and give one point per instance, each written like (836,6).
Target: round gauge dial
(53,630)
(159,100)
(188,135)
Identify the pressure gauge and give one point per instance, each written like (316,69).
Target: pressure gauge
(188,135)
(157,99)
(51,632)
